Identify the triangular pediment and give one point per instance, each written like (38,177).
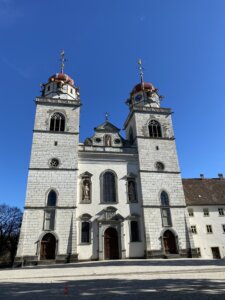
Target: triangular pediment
(107,127)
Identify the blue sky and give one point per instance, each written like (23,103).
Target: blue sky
(182,46)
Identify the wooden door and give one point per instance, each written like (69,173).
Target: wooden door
(48,246)
(169,241)
(111,243)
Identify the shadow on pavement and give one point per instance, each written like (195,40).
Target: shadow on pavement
(116,289)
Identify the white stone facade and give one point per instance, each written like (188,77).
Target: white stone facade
(205,240)
(108,197)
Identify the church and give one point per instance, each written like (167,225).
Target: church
(108,197)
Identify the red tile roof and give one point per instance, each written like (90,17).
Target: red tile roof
(204,191)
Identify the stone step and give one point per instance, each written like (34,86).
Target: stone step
(46,262)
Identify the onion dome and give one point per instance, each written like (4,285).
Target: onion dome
(144,86)
(61,77)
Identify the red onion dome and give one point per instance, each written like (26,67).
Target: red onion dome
(145,85)
(61,77)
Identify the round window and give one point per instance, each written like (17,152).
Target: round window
(159,166)
(54,163)
(98,140)
(117,141)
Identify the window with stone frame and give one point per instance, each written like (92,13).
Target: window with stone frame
(198,250)
(134,228)
(193,229)
(52,198)
(86,188)
(57,122)
(85,229)
(223,228)
(221,211)
(209,229)
(49,219)
(206,212)
(85,232)
(131,190)
(49,214)
(154,128)
(165,209)
(109,187)
(190,212)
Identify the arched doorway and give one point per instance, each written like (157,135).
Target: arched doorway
(111,243)
(169,242)
(48,246)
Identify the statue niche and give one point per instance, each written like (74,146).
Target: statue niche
(86,188)
(132,191)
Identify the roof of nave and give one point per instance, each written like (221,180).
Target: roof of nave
(106,127)
(203,191)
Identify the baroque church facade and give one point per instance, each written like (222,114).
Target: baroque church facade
(109,197)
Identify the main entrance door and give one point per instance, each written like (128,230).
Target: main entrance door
(111,243)
(48,245)
(169,241)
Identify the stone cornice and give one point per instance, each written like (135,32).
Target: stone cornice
(159,206)
(166,172)
(55,132)
(147,110)
(154,138)
(57,102)
(53,169)
(50,207)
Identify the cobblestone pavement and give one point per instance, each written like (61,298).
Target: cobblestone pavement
(122,279)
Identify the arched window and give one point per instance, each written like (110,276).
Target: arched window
(85,229)
(85,232)
(109,187)
(57,122)
(52,198)
(164,199)
(155,129)
(165,209)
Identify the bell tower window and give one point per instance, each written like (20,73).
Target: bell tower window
(155,129)
(57,122)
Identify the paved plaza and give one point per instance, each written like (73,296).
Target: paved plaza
(121,279)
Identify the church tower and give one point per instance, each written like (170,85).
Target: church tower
(149,128)
(49,223)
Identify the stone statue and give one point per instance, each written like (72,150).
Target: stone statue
(131,191)
(86,191)
(108,140)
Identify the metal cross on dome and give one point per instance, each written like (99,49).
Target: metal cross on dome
(107,116)
(141,69)
(63,60)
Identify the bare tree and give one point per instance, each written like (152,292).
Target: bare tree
(10,222)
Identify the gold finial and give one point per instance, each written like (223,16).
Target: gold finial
(141,69)
(107,116)
(63,60)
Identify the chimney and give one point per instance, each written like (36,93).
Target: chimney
(220,175)
(202,176)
